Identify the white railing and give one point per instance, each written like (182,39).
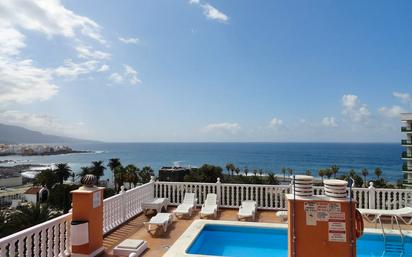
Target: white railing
(272,197)
(125,205)
(175,190)
(51,238)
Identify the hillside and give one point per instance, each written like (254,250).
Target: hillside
(18,135)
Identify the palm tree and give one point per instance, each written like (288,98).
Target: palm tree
(283,170)
(119,176)
(62,172)
(246,171)
(255,172)
(308,172)
(45,178)
(230,167)
(73,176)
(321,173)
(3,224)
(113,163)
(237,171)
(378,172)
(290,171)
(335,170)
(261,172)
(352,173)
(84,171)
(145,174)
(131,175)
(97,169)
(272,180)
(328,173)
(30,215)
(365,173)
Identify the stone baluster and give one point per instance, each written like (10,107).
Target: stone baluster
(43,243)
(372,195)
(50,242)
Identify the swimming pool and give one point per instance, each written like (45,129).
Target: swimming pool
(212,238)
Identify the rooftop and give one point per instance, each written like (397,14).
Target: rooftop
(134,229)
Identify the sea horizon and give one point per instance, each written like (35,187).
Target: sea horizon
(268,156)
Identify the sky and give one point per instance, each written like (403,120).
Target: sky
(207,70)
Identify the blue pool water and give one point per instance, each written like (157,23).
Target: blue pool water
(240,241)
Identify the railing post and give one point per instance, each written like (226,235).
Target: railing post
(372,195)
(152,182)
(123,203)
(218,190)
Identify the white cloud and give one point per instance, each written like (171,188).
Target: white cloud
(224,127)
(131,74)
(73,70)
(87,52)
(214,14)
(352,108)
(404,97)
(275,122)
(11,41)
(211,12)
(49,17)
(391,112)
(329,122)
(21,82)
(116,78)
(130,40)
(103,68)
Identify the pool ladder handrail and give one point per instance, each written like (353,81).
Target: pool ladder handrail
(392,247)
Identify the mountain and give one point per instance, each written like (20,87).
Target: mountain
(18,135)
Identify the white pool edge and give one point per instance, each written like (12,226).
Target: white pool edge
(178,249)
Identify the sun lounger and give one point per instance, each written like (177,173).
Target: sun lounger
(373,215)
(247,210)
(159,223)
(156,204)
(130,246)
(187,206)
(209,207)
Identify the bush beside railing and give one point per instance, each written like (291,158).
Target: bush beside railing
(51,238)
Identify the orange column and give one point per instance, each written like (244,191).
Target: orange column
(87,207)
(323,227)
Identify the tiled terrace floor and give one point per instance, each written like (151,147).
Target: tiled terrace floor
(158,245)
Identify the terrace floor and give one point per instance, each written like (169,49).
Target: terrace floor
(135,229)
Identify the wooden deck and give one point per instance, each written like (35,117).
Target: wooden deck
(134,229)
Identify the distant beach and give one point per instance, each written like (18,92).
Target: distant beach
(266,156)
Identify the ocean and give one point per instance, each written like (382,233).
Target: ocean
(267,156)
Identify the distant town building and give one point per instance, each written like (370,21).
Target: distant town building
(10,179)
(173,174)
(33,149)
(407,155)
(36,195)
